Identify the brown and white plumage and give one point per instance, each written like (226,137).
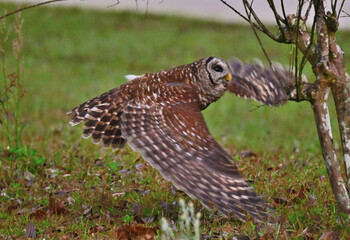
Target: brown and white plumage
(159,115)
(269,86)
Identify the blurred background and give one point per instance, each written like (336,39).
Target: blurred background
(203,9)
(75,50)
(73,54)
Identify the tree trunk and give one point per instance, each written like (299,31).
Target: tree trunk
(324,130)
(320,49)
(341,95)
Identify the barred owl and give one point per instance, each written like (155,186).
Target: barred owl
(159,115)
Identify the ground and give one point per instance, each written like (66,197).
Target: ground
(58,185)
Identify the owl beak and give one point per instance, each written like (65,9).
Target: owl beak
(228,77)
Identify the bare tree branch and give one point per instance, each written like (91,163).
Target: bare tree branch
(347,14)
(334,6)
(249,13)
(284,14)
(235,10)
(308,49)
(324,130)
(322,31)
(262,26)
(114,4)
(341,8)
(240,14)
(278,18)
(28,7)
(297,28)
(308,11)
(304,40)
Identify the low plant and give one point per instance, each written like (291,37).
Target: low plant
(188,224)
(11,88)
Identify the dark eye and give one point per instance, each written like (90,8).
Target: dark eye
(218,68)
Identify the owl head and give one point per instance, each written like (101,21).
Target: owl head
(214,76)
(219,71)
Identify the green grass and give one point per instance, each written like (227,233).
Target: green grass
(73,55)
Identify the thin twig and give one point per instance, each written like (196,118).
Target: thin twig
(334,7)
(235,10)
(114,4)
(147,3)
(308,11)
(240,14)
(256,107)
(265,30)
(284,14)
(291,57)
(28,7)
(308,49)
(277,17)
(297,80)
(347,14)
(260,43)
(322,31)
(341,8)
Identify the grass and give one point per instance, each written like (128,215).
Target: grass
(70,188)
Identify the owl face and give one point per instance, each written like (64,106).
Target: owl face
(214,76)
(219,71)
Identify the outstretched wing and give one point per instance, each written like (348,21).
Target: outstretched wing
(171,134)
(254,81)
(102,117)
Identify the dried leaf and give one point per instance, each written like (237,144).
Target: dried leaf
(329,235)
(137,209)
(29,183)
(146,192)
(70,200)
(125,172)
(87,209)
(279,200)
(28,175)
(52,172)
(38,214)
(96,229)
(60,193)
(148,220)
(173,190)
(13,206)
(22,182)
(56,206)
(135,232)
(98,162)
(118,194)
(247,154)
(172,207)
(141,166)
(322,177)
(30,230)
(65,237)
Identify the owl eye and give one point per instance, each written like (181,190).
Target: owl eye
(218,68)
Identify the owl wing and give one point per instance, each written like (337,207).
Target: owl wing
(102,117)
(171,134)
(254,81)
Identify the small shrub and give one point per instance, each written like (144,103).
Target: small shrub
(188,224)
(11,89)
